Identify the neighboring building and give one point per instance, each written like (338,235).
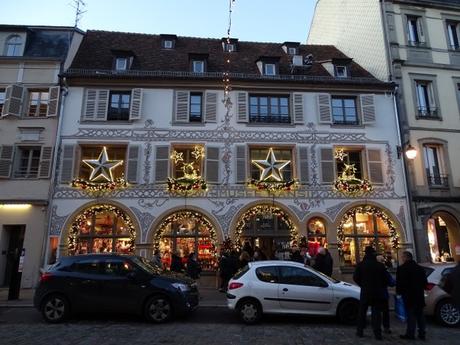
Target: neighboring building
(31,58)
(155,103)
(416,45)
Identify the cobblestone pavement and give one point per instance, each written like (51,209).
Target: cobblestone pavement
(208,326)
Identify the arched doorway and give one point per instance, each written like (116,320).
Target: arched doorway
(186,232)
(364,226)
(443,237)
(101,229)
(268,227)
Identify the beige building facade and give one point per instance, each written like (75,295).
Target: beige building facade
(416,45)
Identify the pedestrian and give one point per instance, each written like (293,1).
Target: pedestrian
(371,278)
(452,285)
(224,271)
(295,256)
(248,248)
(243,260)
(410,284)
(193,266)
(323,261)
(386,306)
(156,260)
(176,263)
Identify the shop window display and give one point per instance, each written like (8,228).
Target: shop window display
(438,239)
(316,231)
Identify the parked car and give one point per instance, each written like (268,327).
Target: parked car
(290,287)
(438,302)
(113,283)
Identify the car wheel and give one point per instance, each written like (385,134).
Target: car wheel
(158,309)
(249,311)
(348,312)
(55,308)
(447,313)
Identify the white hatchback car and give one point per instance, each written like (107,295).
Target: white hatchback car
(291,288)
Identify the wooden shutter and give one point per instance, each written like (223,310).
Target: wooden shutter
(242,107)
(431,97)
(14,95)
(420,31)
(6,160)
(135,110)
(181,112)
(297,99)
(327,165)
(161,164)
(96,105)
(303,164)
(133,163)
(241,163)
(375,166)
(102,104)
(212,164)
(53,102)
(46,158)
(324,108)
(368,108)
(67,165)
(210,113)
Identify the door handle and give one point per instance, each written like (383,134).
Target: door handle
(285,289)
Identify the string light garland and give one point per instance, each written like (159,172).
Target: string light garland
(347,183)
(273,186)
(370,210)
(117,183)
(191,180)
(82,218)
(227,56)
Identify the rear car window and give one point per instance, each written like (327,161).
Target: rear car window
(268,274)
(428,270)
(447,271)
(241,272)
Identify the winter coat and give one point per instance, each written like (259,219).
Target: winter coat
(176,264)
(296,257)
(452,284)
(371,277)
(410,284)
(324,263)
(193,268)
(225,267)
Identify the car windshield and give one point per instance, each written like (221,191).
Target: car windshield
(145,265)
(241,272)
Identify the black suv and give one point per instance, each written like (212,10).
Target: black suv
(113,283)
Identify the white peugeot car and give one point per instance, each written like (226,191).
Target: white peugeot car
(291,288)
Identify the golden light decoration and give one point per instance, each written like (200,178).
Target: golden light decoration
(347,183)
(191,180)
(340,154)
(270,167)
(102,167)
(177,157)
(198,152)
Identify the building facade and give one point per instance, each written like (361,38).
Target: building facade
(31,59)
(206,170)
(416,45)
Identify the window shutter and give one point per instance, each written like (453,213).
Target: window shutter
(162,164)
(102,105)
(210,114)
(46,157)
(241,159)
(67,166)
(374,162)
(14,95)
(181,113)
(53,103)
(368,108)
(133,162)
(212,164)
(432,99)
(242,107)
(298,108)
(90,105)
(135,111)
(96,105)
(303,164)
(6,160)
(327,165)
(420,31)
(324,108)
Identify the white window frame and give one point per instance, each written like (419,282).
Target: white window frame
(198,66)
(453,28)
(2,99)
(121,63)
(17,164)
(40,98)
(230,47)
(167,44)
(16,45)
(341,71)
(292,50)
(425,101)
(266,69)
(428,161)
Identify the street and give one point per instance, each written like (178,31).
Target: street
(21,326)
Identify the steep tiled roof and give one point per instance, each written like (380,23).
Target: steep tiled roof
(97,53)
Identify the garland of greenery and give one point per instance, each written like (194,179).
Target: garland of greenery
(353,187)
(119,182)
(94,210)
(394,236)
(272,186)
(183,184)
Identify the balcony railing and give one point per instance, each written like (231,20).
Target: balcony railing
(416,44)
(428,113)
(269,119)
(438,180)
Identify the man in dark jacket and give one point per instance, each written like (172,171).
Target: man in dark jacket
(410,284)
(371,276)
(323,262)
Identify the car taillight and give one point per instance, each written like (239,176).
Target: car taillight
(235,285)
(429,286)
(45,277)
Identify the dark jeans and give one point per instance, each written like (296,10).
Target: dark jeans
(376,318)
(415,318)
(386,315)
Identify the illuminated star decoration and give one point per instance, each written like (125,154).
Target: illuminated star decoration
(340,154)
(270,167)
(177,157)
(198,152)
(102,167)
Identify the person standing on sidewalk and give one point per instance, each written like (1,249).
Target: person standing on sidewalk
(371,277)
(386,307)
(410,284)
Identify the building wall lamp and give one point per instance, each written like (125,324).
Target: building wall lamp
(409,151)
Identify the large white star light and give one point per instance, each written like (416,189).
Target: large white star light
(102,167)
(270,167)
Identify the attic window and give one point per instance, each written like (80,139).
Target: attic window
(230,47)
(13,46)
(341,71)
(292,50)
(269,69)
(198,66)
(121,63)
(168,44)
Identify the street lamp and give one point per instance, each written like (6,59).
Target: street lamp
(411,152)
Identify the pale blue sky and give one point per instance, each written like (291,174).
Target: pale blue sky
(253,20)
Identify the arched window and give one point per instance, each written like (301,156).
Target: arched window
(13,46)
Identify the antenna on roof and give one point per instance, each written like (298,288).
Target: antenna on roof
(79,6)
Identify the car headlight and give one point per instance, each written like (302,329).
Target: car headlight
(181,287)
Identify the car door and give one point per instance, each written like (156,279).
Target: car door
(303,291)
(265,287)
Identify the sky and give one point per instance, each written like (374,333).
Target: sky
(252,20)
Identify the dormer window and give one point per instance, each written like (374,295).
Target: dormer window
(292,50)
(229,47)
(198,66)
(269,69)
(13,46)
(121,63)
(168,41)
(167,44)
(341,71)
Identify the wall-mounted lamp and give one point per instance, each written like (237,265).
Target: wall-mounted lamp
(409,150)
(15,206)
